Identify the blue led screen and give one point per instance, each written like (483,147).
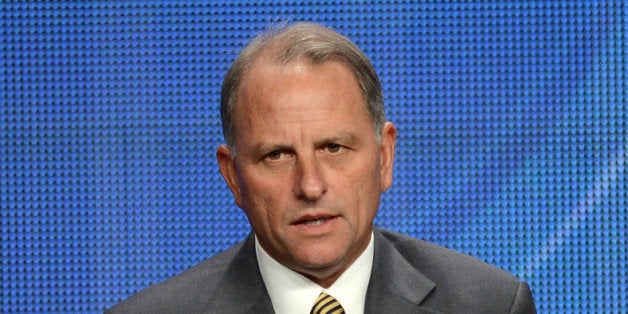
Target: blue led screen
(512,139)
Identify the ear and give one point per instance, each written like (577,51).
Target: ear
(229,172)
(387,154)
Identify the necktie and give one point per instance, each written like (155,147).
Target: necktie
(326,304)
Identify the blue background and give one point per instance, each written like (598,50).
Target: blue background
(512,139)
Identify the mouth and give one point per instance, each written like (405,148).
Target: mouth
(316,225)
(314,220)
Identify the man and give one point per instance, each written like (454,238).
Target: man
(308,154)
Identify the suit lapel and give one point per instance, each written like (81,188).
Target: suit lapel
(242,288)
(395,285)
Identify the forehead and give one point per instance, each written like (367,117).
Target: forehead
(267,81)
(276,96)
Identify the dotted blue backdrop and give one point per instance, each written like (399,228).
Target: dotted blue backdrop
(512,139)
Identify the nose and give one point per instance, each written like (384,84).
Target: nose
(310,182)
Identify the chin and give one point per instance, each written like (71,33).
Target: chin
(322,267)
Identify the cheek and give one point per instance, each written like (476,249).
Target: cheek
(261,198)
(370,191)
(367,175)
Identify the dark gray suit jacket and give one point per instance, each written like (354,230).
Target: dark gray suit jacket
(408,276)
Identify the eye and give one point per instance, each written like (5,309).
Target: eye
(333,147)
(276,155)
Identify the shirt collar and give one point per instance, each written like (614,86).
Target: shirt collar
(291,292)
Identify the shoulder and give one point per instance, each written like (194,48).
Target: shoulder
(462,282)
(199,282)
(425,255)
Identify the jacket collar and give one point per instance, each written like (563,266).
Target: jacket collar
(395,285)
(243,283)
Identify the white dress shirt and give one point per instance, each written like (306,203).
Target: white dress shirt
(293,293)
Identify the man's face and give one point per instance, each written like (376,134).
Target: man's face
(308,169)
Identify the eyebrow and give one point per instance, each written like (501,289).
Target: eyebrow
(345,138)
(262,149)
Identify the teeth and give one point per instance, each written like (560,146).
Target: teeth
(316,222)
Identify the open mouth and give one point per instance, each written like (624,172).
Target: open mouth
(316,221)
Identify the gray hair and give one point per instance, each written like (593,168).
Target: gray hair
(318,45)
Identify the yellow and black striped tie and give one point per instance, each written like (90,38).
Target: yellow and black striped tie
(326,304)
